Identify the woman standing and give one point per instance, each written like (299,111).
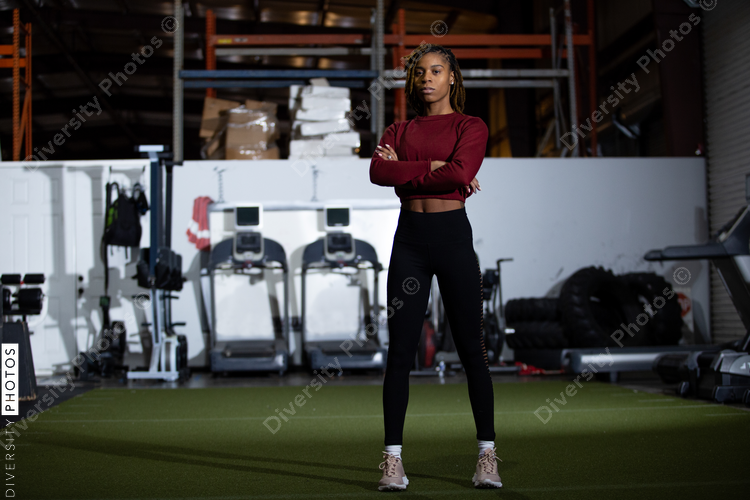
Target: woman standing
(432,162)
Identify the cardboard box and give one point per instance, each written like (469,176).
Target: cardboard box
(249,136)
(252,129)
(214,144)
(212,121)
(240,153)
(267,106)
(217,154)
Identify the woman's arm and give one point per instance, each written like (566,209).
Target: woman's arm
(385,172)
(464,164)
(434,165)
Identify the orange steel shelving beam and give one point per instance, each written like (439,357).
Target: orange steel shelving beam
(21,118)
(210,47)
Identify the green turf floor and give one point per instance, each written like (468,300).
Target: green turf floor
(605,442)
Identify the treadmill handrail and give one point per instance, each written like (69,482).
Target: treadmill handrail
(223,253)
(314,254)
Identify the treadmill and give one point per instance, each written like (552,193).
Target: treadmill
(338,250)
(249,254)
(721,373)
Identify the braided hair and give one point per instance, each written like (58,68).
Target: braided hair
(457,90)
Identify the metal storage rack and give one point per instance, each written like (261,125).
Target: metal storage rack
(377,79)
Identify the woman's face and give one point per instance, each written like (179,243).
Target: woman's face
(433,78)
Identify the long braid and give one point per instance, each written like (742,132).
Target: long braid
(457,91)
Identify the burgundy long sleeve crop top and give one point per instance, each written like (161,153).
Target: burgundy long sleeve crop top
(457,139)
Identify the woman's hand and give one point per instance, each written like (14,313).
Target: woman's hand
(472,188)
(387,153)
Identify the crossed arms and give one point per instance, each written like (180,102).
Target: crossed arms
(432,175)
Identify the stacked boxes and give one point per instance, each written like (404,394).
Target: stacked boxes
(213,126)
(320,124)
(239,132)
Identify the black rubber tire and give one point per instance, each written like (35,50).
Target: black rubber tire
(532,310)
(537,335)
(593,304)
(666,323)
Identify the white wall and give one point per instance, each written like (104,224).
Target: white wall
(552,216)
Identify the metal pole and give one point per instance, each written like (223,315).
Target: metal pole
(156,241)
(177,101)
(571,75)
(373,99)
(399,53)
(380,60)
(555,65)
(592,71)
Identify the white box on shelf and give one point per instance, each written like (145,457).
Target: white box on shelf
(343,157)
(294,91)
(328,92)
(313,102)
(300,148)
(339,150)
(317,128)
(319,115)
(348,139)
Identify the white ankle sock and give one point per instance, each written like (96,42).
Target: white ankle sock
(394,449)
(485,445)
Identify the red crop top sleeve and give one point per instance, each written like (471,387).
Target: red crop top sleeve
(462,165)
(394,173)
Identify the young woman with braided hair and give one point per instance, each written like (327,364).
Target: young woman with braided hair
(432,161)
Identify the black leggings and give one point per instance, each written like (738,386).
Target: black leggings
(427,244)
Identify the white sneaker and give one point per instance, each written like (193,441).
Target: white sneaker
(394,477)
(486,475)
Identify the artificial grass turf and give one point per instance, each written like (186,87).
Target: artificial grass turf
(212,444)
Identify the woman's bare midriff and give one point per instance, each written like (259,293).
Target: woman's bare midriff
(431,205)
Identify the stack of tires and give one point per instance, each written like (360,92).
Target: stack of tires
(593,305)
(537,324)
